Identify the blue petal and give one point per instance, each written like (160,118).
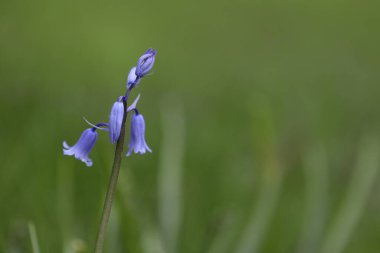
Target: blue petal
(116,119)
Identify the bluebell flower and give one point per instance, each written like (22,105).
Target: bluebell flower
(83,147)
(116,119)
(132,78)
(145,63)
(137,138)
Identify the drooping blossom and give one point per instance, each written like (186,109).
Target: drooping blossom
(116,119)
(137,142)
(83,147)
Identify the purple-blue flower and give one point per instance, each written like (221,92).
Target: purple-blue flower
(132,78)
(145,63)
(137,142)
(83,147)
(116,118)
(119,110)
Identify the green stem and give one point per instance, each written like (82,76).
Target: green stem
(33,237)
(112,183)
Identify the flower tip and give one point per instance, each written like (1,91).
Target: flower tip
(151,51)
(88,162)
(65,145)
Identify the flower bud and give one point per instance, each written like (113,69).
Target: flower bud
(116,119)
(132,78)
(145,63)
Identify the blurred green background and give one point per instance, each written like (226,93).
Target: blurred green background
(263,117)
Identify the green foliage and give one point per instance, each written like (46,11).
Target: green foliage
(275,125)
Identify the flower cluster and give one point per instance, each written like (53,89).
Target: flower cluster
(137,143)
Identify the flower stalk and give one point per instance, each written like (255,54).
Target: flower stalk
(112,182)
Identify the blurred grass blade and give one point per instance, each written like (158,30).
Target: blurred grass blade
(140,232)
(264,148)
(33,237)
(65,200)
(262,215)
(170,171)
(353,205)
(112,244)
(224,237)
(316,176)
(151,240)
